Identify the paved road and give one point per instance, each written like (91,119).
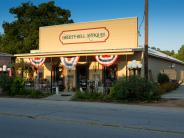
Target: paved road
(24,118)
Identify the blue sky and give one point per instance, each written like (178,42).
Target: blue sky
(166,17)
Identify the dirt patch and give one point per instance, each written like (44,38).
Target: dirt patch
(167,103)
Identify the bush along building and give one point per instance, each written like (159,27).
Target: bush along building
(100,52)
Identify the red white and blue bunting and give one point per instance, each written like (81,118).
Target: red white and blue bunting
(37,62)
(106,60)
(69,62)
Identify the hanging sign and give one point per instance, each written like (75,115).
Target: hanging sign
(69,62)
(106,60)
(37,62)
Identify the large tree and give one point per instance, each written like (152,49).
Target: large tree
(180,54)
(21,35)
(167,52)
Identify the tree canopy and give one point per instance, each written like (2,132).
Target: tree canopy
(21,35)
(180,54)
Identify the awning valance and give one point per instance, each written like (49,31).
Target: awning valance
(37,62)
(69,62)
(106,60)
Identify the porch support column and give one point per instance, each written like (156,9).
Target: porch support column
(51,76)
(126,66)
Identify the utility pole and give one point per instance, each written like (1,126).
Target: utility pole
(146,41)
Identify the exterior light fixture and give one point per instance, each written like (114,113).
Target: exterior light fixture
(134,65)
(172,66)
(4,68)
(60,69)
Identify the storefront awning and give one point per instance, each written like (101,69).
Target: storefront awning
(127,51)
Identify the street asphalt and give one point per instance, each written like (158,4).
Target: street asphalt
(28,118)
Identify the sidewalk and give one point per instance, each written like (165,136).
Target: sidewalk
(177,94)
(172,99)
(62,96)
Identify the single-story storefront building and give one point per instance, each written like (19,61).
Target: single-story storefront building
(100,51)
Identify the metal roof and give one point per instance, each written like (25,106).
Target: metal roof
(158,54)
(5,55)
(163,56)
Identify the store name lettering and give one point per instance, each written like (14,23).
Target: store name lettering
(79,36)
(90,35)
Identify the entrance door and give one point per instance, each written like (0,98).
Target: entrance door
(82,74)
(109,75)
(58,77)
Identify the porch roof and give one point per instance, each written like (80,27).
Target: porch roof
(122,51)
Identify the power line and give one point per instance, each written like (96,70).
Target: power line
(141,24)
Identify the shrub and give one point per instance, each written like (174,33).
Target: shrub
(17,87)
(168,86)
(35,94)
(162,78)
(134,89)
(88,96)
(5,82)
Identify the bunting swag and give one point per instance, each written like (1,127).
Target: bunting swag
(37,62)
(106,60)
(69,62)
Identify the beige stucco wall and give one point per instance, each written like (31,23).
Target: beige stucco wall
(70,78)
(121,72)
(47,70)
(157,65)
(95,71)
(118,34)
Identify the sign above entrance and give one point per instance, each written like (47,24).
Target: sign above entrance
(107,36)
(82,36)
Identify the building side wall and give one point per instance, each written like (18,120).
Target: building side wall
(4,60)
(158,65)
